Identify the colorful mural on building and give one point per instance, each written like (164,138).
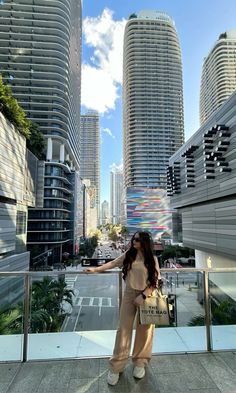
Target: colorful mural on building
(148,210)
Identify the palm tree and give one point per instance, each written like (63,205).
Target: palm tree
(46,314)
(11,321)
(62,293)
(48,296)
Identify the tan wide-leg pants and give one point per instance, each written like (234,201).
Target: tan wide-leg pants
(142,350)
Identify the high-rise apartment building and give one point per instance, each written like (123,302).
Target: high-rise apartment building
(89,208)
(218,79)
(116,189)
(105,213)
(90,152)
(40,48)
(153,122)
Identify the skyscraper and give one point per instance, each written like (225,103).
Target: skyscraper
(40,60)
(116,189)
(153,124)
(90,152)
(218,79)
(105,213)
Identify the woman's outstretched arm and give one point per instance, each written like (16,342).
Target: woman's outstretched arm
(118,262)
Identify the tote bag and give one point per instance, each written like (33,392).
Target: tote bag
(155,310)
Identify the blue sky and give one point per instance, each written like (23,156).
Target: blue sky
(198,24)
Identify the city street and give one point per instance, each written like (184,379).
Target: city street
(96,297)
(95,303)
(106,249)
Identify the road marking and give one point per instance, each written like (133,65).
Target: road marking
(100,306)
(87,301)
(79,301)
(63,328)
(70,281)
(77,318)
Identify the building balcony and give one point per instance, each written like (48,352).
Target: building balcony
(202,314)
(187,356)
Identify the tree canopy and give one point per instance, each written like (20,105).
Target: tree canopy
(17,116)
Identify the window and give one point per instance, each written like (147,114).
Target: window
(20,222)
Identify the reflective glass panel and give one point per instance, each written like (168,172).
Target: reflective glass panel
(187,315)
(222,287)
(11,317)
(73,315)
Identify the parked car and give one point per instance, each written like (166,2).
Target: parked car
(191,261)
(186,261)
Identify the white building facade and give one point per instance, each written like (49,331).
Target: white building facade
(218,79)
(116,189)
(90,153)
(105,215)
(153,121)
(89,208)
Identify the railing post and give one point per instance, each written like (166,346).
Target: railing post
(26,317)
(120,289)
(207,311)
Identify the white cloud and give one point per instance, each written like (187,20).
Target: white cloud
(102,78)
(98,90)
(108,131)
(117,167)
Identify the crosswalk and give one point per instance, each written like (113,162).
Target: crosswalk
(93,301)
(70,281)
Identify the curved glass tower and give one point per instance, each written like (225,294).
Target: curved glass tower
(40,48)
(153,123)
(40,60)
(218,79)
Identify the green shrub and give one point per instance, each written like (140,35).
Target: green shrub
(17,116)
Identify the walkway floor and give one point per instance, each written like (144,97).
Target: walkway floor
(187,373)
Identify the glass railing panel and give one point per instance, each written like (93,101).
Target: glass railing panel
(222,293)
(187,331)
(73,315)
(11,317)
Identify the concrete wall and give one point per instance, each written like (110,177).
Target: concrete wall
(200,188)
(12,161)
(211,227)
(7,227)
(18,166)
(18,180)
(223,283)
(211,260)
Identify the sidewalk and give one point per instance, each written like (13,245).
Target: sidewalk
(192,373)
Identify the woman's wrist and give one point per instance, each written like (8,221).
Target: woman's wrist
(147,291)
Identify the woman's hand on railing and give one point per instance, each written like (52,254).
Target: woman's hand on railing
(90,270)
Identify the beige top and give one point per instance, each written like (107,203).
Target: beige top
(138,275)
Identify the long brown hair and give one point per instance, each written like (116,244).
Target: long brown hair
(149,261)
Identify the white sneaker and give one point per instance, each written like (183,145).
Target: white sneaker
(139,372)
(112,378)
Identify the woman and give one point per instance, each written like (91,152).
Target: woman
(141,273)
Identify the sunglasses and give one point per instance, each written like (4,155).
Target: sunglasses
(137,239)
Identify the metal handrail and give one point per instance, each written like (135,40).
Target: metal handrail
(116,270)
(28,274)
